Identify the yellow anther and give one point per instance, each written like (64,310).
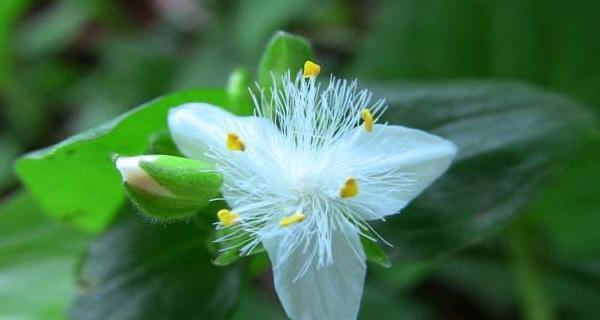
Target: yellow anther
(227,217)
(311,69)
(234,143)
(291,219)
(350,188)
(367,117)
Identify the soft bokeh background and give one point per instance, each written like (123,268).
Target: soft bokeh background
(68,65)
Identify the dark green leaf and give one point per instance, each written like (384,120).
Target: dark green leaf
(285,52)
(141,271)
(510,139)
(38,259)
(76,180)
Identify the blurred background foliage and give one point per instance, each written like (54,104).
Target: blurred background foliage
(67,65)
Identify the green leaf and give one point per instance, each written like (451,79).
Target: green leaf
(511,138)
(76,180)
(37,262)
(285,52)
(141,271)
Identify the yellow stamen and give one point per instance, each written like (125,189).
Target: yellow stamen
(291,219)
(311,69)
(227,217)
(367,117)
(350,188)
(234,143)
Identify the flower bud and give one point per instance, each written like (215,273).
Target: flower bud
(168,187)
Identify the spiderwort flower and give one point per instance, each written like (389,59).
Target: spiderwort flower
(304,177)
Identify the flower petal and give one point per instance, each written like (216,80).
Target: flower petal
(392,165)
(199,127)
(321,292)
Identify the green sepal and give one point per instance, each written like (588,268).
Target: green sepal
(162,143)
(285,52)
(160,207)
(189,186)
(230,256)
(185,178)
(375,253)
(240,101)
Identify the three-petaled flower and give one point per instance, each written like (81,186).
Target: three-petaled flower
(305,175)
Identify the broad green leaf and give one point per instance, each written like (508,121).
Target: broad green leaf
(285,52)
(510,137)
(76,180)
(136,270)
(38,261)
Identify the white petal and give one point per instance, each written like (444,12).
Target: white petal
(392,165)
(199,127)
(134,175)
(326,292)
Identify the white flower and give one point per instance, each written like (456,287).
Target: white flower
(304,176)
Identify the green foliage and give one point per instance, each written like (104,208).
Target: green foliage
(543,42)
(38,259)
(567,211)
(510,138)
(76,181)
(68,65)
(141,271)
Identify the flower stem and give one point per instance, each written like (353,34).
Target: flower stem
(533,301)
